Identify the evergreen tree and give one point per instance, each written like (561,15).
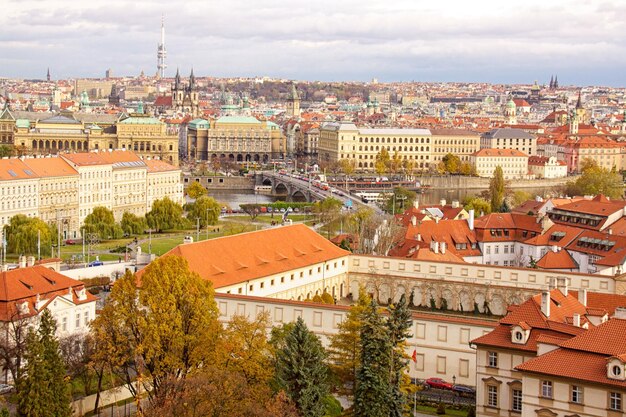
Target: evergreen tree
(345,347)
(302,371)
(496,189)
(44,392)
(373,393)
(399,323)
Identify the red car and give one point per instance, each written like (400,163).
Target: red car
(438,383)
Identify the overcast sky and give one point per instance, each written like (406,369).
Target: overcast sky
(582,41)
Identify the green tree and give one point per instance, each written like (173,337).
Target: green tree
(101,222)
(373,390)
(163,331)
(22,234)
(451,163)
(206,209)
(252,210)
(399,200)
(496,189)
(382,162)
(596,180)
(399,324)
(467,169)
(44,392)
(165,215)
(132,224)
(302,371)
(196,190)
(347,166)
(519,197)
(328,209)
(395,164)
(478,204)
(345,347)
(6,151)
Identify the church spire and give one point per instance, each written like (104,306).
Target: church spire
(551,82)
(579,103)
(556,81)
(192,81)
(177,80)
(48,74)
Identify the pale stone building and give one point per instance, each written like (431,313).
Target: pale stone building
(459,142)
(514,163)
(19,190)
(509,138)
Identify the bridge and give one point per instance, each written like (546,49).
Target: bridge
(295,189)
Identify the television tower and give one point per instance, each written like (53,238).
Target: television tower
(161,52)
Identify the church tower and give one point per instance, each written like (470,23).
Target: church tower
(192,95)
(581,112)
(510,112)
(573,123)
(293,103)
(177,92)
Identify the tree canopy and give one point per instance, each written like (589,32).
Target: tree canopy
(596,180)
(196,190)
(132,224)
(101,222)
(165,215)
(23,232)
(206,209)
(399,200)
(496,190)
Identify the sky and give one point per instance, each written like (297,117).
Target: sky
(582,41)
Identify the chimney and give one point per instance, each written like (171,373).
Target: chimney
(455,204)
(30,261)
(582,297)
(434,246)
(436,219)
(562,284)
(470,220)
(576,319)
(419,237)
(545,303)
(443,248)
(609,231)
(69,293)
(555,249)
(620,313)
(416,203)
(414,220)
(442,202)
(22,261)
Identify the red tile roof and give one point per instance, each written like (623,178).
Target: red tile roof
(499,153)
(235,259)
(158,165)
(557,260)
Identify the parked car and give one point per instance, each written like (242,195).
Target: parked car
(464,390)
(438,383)
(71,242)
(5,389)
(97,262)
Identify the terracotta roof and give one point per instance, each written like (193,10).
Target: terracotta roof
(609,338)
(499,153)
(584,366)
(50,167)
(607,302)
(557,260)
(15,169)
(101,158)
(158,165)
(24,284)
(235,259)
(599,206)
(528,206)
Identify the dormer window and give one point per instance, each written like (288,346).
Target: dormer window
(520,334)
(615,369)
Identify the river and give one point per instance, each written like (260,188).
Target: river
(234,198)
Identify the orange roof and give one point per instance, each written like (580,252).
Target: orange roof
(157,165)
(235,259)
(101,158)
(499,153)
(50,167)
(15,169)
(24,284)
(599,206)
(557,260)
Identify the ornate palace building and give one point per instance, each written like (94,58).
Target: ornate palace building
(45,133)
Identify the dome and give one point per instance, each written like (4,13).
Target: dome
(510,104)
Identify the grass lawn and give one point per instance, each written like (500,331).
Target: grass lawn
(433,410)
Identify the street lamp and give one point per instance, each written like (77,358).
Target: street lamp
(453,379)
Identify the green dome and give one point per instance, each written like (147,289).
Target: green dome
(510,104)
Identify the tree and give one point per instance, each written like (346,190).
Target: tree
(596,180)
(251,210)
(519,197)
(478,204)
(76,351)
(101,222)
(399,324)
(451,163)
(373,391)
(345,347)
(132,224)
(382,161)
(397,201)
(328,209)
(166,332)
(6,151)
(496,189)
(165,215)
(302,372)
(347,166)
(196,190)
(206,209)
(23,234)
(395,164)
(44,391)
(467,169)
(13,335)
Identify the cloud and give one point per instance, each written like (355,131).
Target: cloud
(349,39)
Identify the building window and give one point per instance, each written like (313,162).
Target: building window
(577,394)
(492,359)
(546,389)
(517,401)
(64,324)
(492,396)
(77,320)
(615,401)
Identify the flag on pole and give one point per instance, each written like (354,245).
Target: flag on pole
(414,356)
